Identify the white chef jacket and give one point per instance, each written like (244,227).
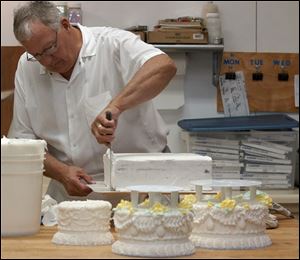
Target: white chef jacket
(49,107)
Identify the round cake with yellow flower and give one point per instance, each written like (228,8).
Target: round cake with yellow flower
(237,222)
(153,228)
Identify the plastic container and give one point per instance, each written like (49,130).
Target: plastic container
(22,162)
(13,147)
(208,7)
(8,166)
(214,27)
(25,157)
(21,199)
(74,13)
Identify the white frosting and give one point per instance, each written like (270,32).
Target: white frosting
(144,233)
(85,238)
(15,147)
(239,228)
(83,223)
(156,169)
(154,249)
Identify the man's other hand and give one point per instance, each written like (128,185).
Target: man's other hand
(75,180)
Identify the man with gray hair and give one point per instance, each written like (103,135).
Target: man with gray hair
(68,79)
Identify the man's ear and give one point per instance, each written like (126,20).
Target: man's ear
(65,23)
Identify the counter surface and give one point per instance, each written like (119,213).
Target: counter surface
(285,245)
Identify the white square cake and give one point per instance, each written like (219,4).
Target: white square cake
(176,169)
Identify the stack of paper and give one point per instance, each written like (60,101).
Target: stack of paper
(267,161)
(254,155)
(181,23)
(224,153)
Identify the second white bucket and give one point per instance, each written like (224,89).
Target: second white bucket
(21,199)
(15,166)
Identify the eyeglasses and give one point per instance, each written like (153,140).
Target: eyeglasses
(46,52)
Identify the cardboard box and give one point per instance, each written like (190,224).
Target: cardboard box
(178,36)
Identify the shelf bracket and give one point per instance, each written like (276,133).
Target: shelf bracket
(217,52)
(216,69)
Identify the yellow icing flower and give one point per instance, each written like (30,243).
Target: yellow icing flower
(185,205)
(190,198)
(145,203)
(265,199)
(184,211)
(238,197)
(210,204)
(158,208)
(187,202)
(246,205)
(218,196)
(125,204)
(228,204)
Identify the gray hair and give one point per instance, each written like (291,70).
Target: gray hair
(42,11)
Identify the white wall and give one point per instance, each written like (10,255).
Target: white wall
(7,36)
(120,14)
(237,17)
(278,26)
(248,26)
(238,24)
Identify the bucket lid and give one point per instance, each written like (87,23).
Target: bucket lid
(12,146)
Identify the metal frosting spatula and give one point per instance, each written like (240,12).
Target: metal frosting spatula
(109,117)
(100,186)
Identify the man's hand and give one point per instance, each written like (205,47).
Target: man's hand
(74,181)
(104,129)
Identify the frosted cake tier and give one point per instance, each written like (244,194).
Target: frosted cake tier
(83,223)
(176,169)
(157,227)
(223,221)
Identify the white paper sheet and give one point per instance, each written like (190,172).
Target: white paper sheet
(234,95)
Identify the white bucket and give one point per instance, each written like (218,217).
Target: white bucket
(15,166)
(24,157)
(21,198)
(11,147)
